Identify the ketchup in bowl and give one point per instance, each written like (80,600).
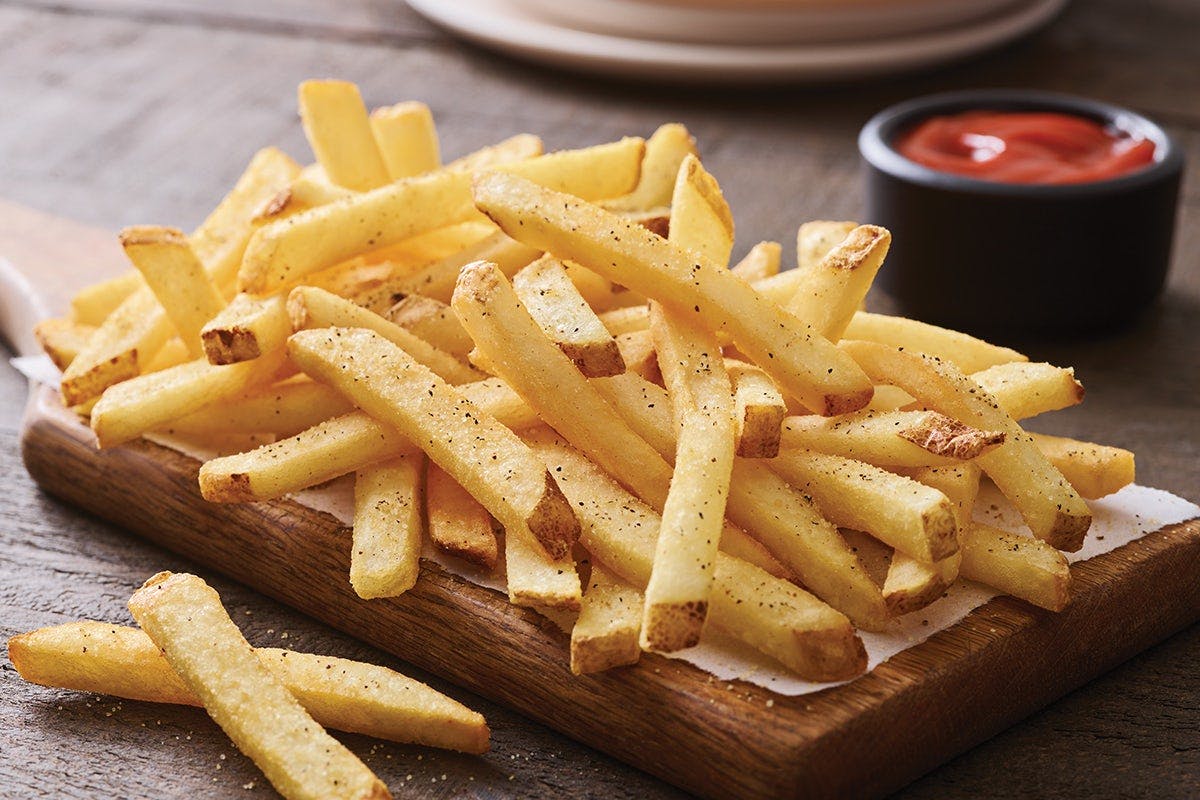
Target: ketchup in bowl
(1030,147)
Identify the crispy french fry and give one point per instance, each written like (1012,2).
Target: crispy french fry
(761,262)
(1050,507)
(184,617)
(966,352)
(91,305)
(100,658)
(152,401)
(311,188)
(556,305)
(628,319)
(1025,389)
(172,353)
(515,148)
(340,134)
(173,272)
(436,280)
(284,252)
(639,355)
(959,482)
(835,287)
(462,439)
(63,339)
(665,150)
(890,438)
(1095,470)
(246,329)
(802,362)
(610,618)
(458,524)
(386,547)
(283,409)
(1018,565)
(313,308)
(759,410)
(407,139)
(815,239)
(433,321)
(910,517)
(802,633)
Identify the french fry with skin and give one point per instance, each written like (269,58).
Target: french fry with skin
(436,280)
(283,409)
(433,321)
(1017,565)
(606,633)
(458,524)
(964,351)
(802,362)
(173,272)
(312,308)
(802,633)
(761,262)
(285,252)
(815,239)
(100,658)
(386,537)
(1095,470)
(833,289)
(891,438)
(639,355)
(246,328)
(63,339)
(1051,508)
(484,456)
(759,410)
(559,309)
(152,401)
(340,133)
(406,138)
(666,149)
(1026,389)
(185,618)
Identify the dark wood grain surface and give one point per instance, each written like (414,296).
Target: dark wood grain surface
(124,112)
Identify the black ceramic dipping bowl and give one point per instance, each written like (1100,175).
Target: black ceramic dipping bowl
(1020,259)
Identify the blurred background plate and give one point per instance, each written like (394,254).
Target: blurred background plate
(517,30)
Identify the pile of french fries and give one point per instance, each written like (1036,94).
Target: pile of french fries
(545,365)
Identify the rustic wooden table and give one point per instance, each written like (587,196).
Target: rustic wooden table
(131,111)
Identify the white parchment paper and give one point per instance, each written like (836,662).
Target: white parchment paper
(1118,519)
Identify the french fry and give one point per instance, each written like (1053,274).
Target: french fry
(458,524)
(284,252)
(406,138)
(386,547)
(1095,470)
(468,443)
(100,658)
(556,305)
(802,633)
(436,280)
(665,150)
(246,328)
(515,148)
(313,308)
(891,438)
(171,354)
(761,262)
(610,618)
(173,272)
(815,239)
(639,355)
(283,409)
(910,517)
(1018,565)
(759,410)
(433,321)
(149,402)
(340,134)
(1050,507)
(965,352)
(1026,389)
(628,319)
(311,188)
(63,339)
(802,363)
(91,305)
(184,617)
(835,287)
(959,482)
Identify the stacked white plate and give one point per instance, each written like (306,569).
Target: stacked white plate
(732,41)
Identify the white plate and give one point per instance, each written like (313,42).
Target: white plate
(503,26)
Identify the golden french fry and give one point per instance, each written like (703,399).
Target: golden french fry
(91,305)
(912,584)
(386,547)
(759,410)
(340,134)
(1095,470)
(1025,389)
(639,355)
(246,329)
(665,150)
(433,321)
(606,633)
(556,305)
(761,262)
(1018,565)
(833,289)
(63,339)
(407,139)
(515,148)
(436,280)
(803,363)
(100,658)
(311,188)
(966,352)
(815,239)
(458,524)
(185,618)
(282,409)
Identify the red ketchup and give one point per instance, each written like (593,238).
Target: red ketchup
(1025,147)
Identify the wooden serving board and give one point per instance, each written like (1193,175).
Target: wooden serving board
(864,739)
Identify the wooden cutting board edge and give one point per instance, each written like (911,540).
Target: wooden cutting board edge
(716,738)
